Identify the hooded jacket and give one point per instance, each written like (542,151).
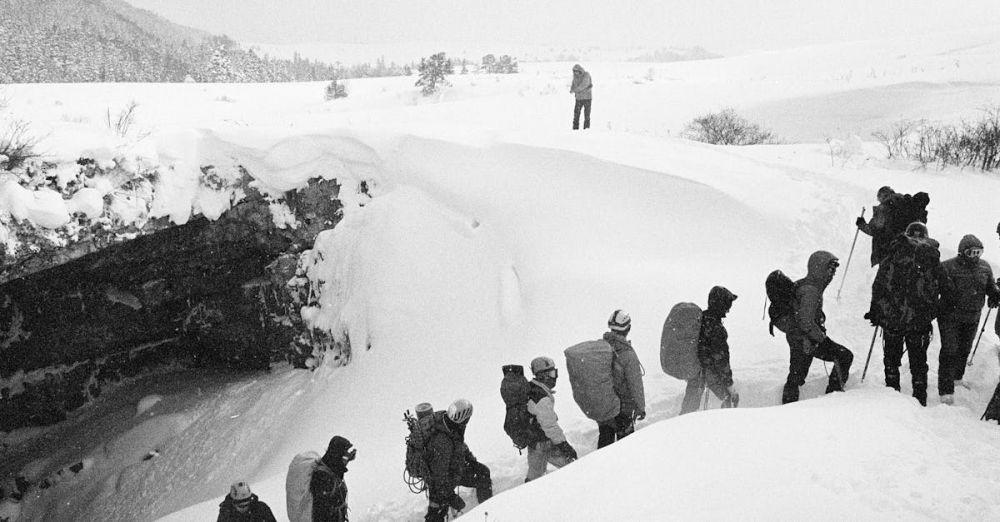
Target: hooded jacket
(258,512)
(713,339)
(448,457)
(626,375)
(965,285)
(581,86)
(327,484)
(809,314)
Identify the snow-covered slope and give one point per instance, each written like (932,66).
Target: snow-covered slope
(494,234)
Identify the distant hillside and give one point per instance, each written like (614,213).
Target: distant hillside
(111,41)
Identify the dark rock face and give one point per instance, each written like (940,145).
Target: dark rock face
(206,293)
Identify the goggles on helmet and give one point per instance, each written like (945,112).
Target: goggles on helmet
(973,252)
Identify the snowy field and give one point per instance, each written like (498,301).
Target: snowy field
(494,234)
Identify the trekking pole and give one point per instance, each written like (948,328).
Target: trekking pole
(981,330)
(763,314)
(869,359)
(848,264)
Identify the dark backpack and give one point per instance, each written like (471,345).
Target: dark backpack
(517,422)
(781,292)
(906,209)
(421,428)
(906,287)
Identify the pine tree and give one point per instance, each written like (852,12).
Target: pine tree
(432,73)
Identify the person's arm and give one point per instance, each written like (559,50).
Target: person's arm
(545,413)
(633,373)
(809,297)
(327,494)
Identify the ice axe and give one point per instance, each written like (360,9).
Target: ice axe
(869,359)
(849,256)
(981,330)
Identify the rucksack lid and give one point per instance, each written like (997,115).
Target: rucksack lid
(679,341)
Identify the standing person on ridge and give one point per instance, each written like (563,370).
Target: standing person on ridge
(967,281)
(905,300)
(877,228)
(329,491)
(626,376)
(713,354)
(582,90)
(452,464)
(807,339)
(241,505)
(552,446)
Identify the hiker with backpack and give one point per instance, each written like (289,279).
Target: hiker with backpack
(626,376)
(241,505)
(451,464)
(966,283)
(878,225)
(315,489)
(550,446)
(806,335)
(890,218)
(713,355)
(905,300)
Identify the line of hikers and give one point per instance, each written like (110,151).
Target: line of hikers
(911,289)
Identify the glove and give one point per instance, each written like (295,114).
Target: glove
(456,503)
(640,415)
(567,450)
(860,222)
(993,301)
(873,317)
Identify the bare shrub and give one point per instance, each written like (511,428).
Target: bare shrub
(122,123)
(727,128)
(17,145)
(335,89)
(970,144)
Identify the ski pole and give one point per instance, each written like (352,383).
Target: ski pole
(869,359)
(981,330)
(763,314)
(848,264)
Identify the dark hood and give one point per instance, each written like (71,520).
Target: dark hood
(817,273)
(720,300)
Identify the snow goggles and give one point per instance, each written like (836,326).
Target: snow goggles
(973,252)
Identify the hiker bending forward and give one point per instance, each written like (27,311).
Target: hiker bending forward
(452,464)
(626,376)
(807,338)
(713,354)
(552,446)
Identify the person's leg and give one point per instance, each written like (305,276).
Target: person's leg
(947,356)
(798,369)
(576,114)
(477,475)
(586,113)
(692,394)
(605,433)
(829,350)
(626,425)
(966,336)
(892,355)
(916,350)
(537,460)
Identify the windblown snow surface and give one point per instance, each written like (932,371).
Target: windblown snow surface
(492,234)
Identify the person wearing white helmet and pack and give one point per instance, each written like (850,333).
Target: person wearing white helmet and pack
(241,505)
(451,463)
(626,375)
(552,446)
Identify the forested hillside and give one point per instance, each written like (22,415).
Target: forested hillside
(111,41)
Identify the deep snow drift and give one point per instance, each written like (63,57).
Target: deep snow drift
(493,234)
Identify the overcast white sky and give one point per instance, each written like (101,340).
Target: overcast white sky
(726,26)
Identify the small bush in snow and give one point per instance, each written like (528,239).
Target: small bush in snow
(433,72)
(17,145)
(121,124)
(335,89)
(727,128)
(970,144)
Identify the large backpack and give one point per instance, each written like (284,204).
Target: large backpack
(679,341)
(589,365)
(517,422)
(781,292)
(298,496)
(906,288)
(421,428)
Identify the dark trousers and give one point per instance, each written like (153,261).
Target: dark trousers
(615,429)
(585,105)
(799,363)
(956,343)
(476,475)
(916,349)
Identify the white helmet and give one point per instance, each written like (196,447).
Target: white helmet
(619,321)
(460,411)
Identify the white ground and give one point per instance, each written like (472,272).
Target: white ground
(495,234)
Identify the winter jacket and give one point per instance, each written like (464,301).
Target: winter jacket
(329,492)
(448,456)
(713,350)
(809,314)
(581,85)
(965,285)
(626,374)
(877,228)
(542,406)
(905,294)
(258,512)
